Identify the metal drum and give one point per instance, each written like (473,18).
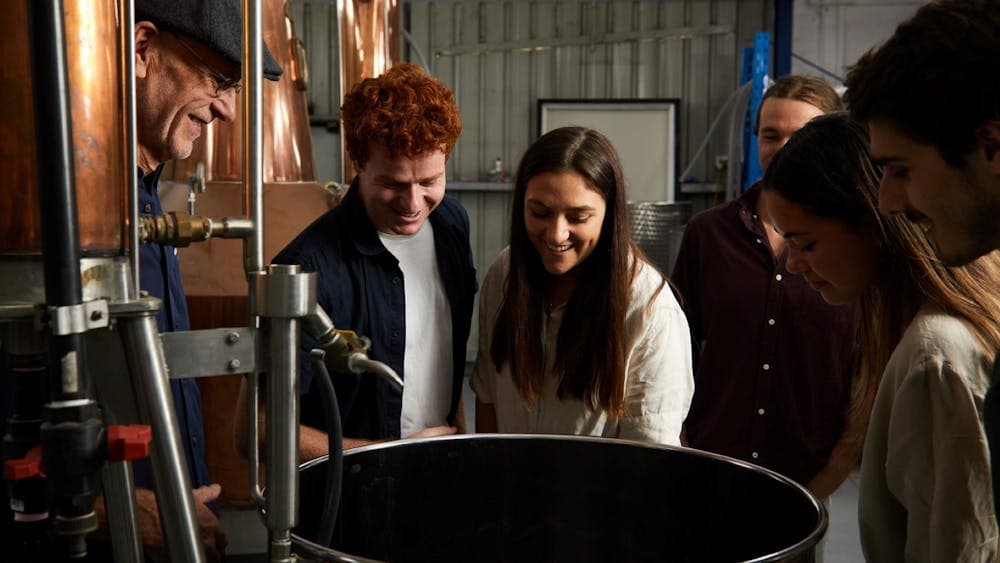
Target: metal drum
(560,499)
(657,227)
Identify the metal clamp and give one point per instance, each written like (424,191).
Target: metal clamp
(73,319)
(203,353)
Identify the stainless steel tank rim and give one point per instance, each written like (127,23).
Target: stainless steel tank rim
(793,550)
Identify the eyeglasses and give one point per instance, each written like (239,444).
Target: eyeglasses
(222,82)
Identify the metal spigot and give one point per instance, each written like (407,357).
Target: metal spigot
(347,351)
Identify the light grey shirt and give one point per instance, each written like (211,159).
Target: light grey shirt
(926,493)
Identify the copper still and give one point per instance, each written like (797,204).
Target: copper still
(96,90)
(369,45)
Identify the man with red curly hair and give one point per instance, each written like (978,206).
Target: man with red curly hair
(394,263)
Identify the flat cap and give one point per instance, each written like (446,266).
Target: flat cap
(217,23)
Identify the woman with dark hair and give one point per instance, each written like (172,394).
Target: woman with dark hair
(578,333)
(926,332)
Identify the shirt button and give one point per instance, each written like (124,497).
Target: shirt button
(147,208)
(194,439)
(754,455)
(778,277)
(760,411)
(770,322)
(766,367)
(395,333)
(395,281)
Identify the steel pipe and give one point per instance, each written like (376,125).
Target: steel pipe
(147,369)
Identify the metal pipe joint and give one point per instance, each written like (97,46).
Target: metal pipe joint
(180,229)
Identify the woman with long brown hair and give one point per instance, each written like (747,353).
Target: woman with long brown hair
(926,336)
(578,333)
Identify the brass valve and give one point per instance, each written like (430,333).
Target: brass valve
(176,228)
(180,229)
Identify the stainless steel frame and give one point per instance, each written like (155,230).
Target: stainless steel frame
(122,512)
(147,367)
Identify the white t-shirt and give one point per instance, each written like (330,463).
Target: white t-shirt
(658,386)
(427,356)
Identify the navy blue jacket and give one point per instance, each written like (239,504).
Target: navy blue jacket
(160,275)
(360,287)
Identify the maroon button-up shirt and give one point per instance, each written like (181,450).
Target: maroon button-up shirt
(773,377)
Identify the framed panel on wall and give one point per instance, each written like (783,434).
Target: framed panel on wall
(644,132)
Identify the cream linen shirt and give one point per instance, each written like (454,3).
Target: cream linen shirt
(658,386)
(926,493)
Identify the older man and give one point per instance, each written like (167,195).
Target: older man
(187,67)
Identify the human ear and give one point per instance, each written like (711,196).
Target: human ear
(144,33)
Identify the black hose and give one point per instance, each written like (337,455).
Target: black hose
(335,458)
(54,142)
(72,433)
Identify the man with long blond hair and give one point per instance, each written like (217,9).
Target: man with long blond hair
(774,367)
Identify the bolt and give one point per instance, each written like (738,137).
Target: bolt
(234,365)
(232,338)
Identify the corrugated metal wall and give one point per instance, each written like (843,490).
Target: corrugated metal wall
(832,34)
(500,57)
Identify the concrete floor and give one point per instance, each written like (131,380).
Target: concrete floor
(843,544)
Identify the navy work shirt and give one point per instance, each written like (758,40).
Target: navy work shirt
(160,275)
(360,286)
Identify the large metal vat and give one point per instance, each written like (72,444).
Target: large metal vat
(657,228)
(560,499)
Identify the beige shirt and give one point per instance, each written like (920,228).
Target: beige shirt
(658,386)
(926,493)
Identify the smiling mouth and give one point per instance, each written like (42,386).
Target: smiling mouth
(408,215)
(558,248)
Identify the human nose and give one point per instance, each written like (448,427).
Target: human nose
(409,197)
(795,261)
(558,229)
(224,106)
(891,196)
